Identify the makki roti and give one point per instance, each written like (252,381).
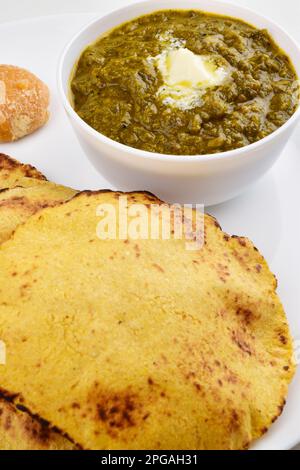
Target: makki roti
(141,344)
(19,431)
(17,204)
(24,191)
(14,173)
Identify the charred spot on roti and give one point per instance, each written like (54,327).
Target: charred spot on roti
(246,314)
(242,344)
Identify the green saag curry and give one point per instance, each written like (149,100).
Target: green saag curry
(116,82)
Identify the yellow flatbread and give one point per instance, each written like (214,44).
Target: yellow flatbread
(141,344)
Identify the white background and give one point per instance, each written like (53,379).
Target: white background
(285,12)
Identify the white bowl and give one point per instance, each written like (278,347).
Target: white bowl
(207,179)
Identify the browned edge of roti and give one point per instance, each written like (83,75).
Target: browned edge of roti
(9,163)
(17,399)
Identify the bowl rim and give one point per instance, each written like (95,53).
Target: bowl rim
(147,155)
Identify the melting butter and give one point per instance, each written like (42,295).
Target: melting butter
(186,76)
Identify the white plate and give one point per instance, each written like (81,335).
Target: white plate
(268,213)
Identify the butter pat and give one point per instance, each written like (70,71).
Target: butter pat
(185,68)
(186,76)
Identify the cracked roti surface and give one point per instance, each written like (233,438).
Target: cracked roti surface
(14,173)
(141,344)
